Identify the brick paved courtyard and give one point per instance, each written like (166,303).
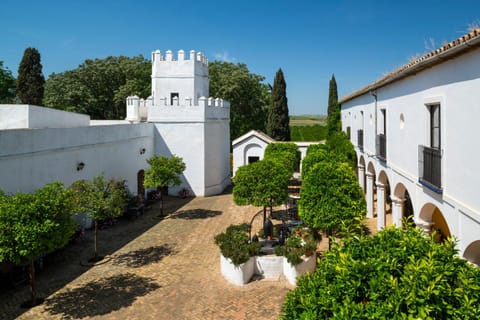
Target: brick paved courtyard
(155,269)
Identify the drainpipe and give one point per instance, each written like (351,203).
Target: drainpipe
(374,94)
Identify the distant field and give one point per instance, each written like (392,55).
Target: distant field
(307,120)
(314,132)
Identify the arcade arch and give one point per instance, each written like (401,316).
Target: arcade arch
(472,253)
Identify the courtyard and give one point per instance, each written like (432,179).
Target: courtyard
(155,268)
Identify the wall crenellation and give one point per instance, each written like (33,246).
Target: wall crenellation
(181,56)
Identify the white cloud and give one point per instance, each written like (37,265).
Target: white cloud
(223,56)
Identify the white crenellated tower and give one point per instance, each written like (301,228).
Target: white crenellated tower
(188,123)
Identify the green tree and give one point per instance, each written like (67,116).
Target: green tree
(332,96)
(102,200)
(278,124)
(286,152)
(397,274)
(100,87)
(334,123)
(262,183)
(163,172)
(30,82)
(7,85)
(339,144)
(331,197)
(35,224)
(248,95)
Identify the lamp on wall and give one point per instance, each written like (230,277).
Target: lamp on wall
(80,166)
(142,150)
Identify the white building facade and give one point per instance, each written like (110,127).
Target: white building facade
(416,135)
(40,145)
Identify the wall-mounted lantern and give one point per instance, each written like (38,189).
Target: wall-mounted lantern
(80,166)
(142,150)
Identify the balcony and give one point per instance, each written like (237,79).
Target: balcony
(360,139)
(430,167)
(381,142)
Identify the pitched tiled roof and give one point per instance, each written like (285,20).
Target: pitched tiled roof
(256,133)
(450,50)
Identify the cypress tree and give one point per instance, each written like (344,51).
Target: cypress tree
(278,122)
(332,96)
(30,83)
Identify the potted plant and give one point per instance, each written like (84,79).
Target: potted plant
(299,256)
(236,262)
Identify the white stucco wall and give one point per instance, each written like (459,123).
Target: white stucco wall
(252,146)
(31,158)
(455,85)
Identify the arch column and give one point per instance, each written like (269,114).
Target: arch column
(425,226)
(398,205)
(361,177)
(369,195)
(380,206)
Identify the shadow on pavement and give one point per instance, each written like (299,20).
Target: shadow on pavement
(100,297)
(143,257)
(195,214)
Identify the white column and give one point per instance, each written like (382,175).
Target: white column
(369,195)
(425,226)
(361,177)
(380,206)
(397,211)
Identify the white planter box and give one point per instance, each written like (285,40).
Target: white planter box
(269,267)
(291,272)
(238,275)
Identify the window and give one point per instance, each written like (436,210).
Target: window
(173,95)
(253,159)
(348,132)
(435,137)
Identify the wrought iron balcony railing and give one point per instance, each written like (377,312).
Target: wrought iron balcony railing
(381,146)
(360,139)
(430,165)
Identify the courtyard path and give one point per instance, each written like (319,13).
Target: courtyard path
(155,269)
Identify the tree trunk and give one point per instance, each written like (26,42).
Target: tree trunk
(329,233)
(161,202)
(33,290)
(95,239)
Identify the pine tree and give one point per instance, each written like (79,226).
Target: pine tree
(278,123)
(332,96)
(30,83)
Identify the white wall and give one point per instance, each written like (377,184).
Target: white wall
(455,85)
(31,158)
(217,156)
(250,147)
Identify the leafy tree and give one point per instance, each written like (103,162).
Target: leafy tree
(397,274)
(163,172)
(334,123)
(315,147)
(332,96)
(286,152)
(35,224)
(100,87)
(30,82)
(278,124)
(248,95)
(339,144)
(102,200)
(331,197)
(7,85)
(262,183)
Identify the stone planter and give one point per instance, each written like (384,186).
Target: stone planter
(238,275)
(269,267)
(291,272)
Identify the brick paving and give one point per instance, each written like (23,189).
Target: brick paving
(155,269)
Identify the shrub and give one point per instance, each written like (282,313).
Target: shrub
(284,151)
(295,247)
(235,245)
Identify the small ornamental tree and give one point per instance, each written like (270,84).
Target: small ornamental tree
(278,122)
(102,200)
(35,224)
(30,82)
(284,151)
(332,96)
(163,172)
(316,156)
(331,197)
(339,144)
(262,183)
(315,147)
(399,273)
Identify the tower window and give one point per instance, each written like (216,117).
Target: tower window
(172,96)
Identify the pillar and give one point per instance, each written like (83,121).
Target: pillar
(397,211)
(361,177)
(369,195)
(425,226)
(380,206)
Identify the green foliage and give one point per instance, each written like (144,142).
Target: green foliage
(278,120)
(262,183)
(100,87)
(294,248)
(235,245)
(248,95)
(339,144)
(7,85)
(102,199)
(315,147)
(286,152)
(396,274)
(35,224)
(308,133)
(330,196)
(163,171)
(30,82)
(332,96)
(334,123)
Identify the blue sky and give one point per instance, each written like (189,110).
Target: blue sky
(358,41)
